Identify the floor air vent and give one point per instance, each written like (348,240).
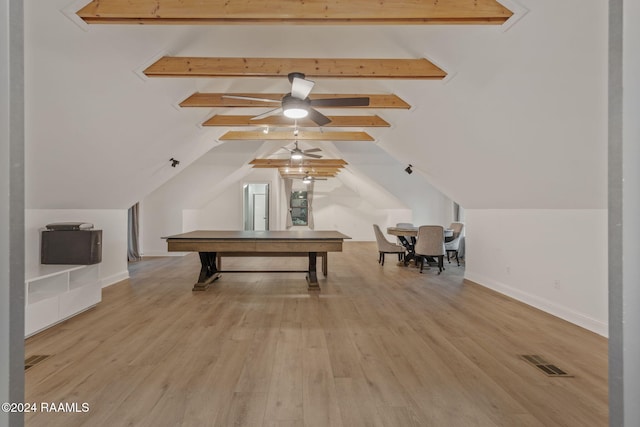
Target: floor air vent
(31,361)
(549,369)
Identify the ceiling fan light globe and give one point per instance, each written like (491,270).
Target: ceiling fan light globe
(296,156)
(307,180)
(295,113)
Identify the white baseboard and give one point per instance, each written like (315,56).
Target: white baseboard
(115,278)
(593,325)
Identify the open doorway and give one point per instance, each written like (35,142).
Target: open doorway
(256,206)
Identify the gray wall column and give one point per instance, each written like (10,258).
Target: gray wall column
(624,213)
(11,208)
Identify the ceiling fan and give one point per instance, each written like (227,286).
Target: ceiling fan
(297,153)
(307,179)
(297,105)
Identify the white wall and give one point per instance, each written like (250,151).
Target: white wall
(169,210)
(555,260)
(428,205)
(222,213)
(351,206)
(112,222)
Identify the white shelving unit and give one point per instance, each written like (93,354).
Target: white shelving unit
(54,293)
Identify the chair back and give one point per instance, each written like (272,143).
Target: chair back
(383,243)
(457,228)
(454,244)
(430,240)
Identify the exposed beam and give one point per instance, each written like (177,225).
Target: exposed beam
(281,121)
(212,100)
(295,12)
(307,168)
(189,66)
(302,175)
(278,163)
(290,136)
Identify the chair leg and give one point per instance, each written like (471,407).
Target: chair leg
(421,263)
(379,257)
(382,258)
(440,263)
(457,260)
(448,257)
(399,256)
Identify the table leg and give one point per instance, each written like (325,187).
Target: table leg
(325,264)
(208,271)
(312,277)
(410,246)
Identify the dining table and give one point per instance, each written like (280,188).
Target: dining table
(408,235)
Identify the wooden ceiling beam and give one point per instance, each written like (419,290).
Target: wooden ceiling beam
(277,163)
(295,12)
(212,100)
(307,168)
(187,66)
(281,121)
(291,136)
(302,175)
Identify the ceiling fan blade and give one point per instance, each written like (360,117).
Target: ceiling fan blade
(267,114)
(249,98)
(341,102)
(301,88)
(317,117)
(315,156)
(312,150)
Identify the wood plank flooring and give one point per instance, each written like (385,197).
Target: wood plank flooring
(378,346)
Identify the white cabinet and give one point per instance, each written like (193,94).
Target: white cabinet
(56,292)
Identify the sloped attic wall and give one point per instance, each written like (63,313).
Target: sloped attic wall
(427,204)
(207,194)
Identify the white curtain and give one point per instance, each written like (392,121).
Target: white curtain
(310,205)
(288,185)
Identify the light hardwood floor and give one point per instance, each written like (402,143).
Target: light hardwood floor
(378,346)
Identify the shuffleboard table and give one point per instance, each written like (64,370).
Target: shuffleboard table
(211,244)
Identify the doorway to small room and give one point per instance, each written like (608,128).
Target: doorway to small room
(256,206)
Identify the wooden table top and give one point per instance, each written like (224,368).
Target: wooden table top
(260,235)
(412,231)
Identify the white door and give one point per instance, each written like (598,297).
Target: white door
(260,212)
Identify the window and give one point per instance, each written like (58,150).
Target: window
(299,208)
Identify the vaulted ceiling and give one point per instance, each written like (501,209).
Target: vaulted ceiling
(499,122)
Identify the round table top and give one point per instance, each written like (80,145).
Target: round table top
(412,231)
